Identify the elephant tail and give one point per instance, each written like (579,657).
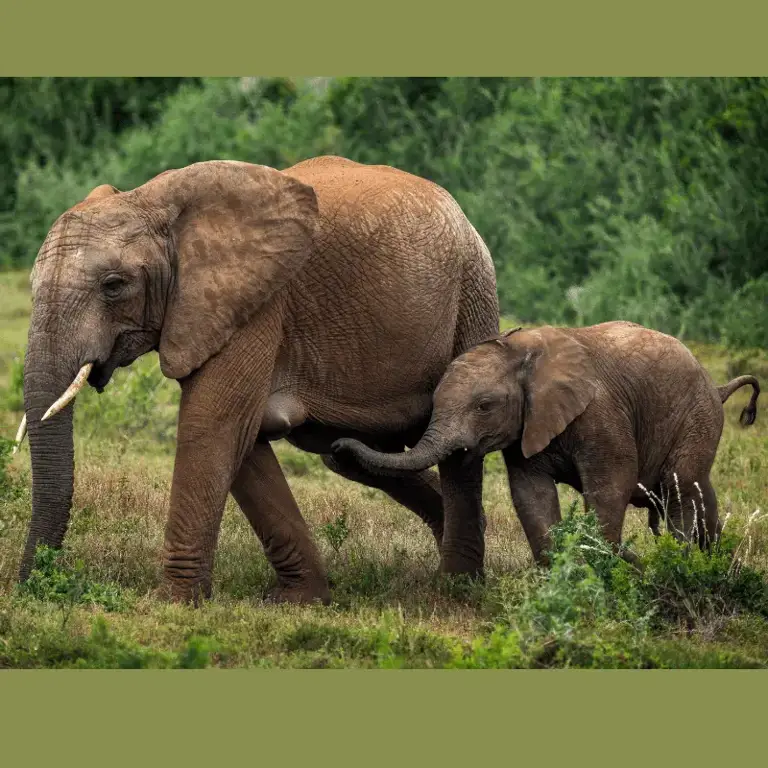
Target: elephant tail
(749,414)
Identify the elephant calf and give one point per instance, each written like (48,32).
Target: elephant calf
(621,413)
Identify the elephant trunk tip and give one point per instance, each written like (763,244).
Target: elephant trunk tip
(347,446)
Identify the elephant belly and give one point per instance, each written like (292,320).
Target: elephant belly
(313,427)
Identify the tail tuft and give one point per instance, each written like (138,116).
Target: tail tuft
(748,415)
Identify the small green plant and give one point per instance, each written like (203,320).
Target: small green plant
(197,653)
(336,531)
(51,581)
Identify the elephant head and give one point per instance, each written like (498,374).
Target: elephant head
(176,265)
(525,385)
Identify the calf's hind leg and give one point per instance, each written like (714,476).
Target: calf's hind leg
(609,479)
(691,507)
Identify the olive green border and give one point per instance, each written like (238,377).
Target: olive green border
(402,718)
(400,37)
(395,718)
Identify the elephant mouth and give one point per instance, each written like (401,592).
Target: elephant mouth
(101,374)
(128,346)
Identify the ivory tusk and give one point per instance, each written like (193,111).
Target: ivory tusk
(20,434)
(71,392)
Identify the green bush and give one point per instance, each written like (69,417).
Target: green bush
(685,584)
(594,609)
(600,198)
(52,581)
(224,120)
(63,120)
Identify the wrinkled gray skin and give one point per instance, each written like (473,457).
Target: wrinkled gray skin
(315,303)
(601,409)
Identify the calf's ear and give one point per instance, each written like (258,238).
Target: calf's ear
(559,384)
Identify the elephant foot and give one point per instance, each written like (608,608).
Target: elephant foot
(308,594)
(185,594)
(454,564)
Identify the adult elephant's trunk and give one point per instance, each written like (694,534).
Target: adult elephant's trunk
(433,447)
(50,443)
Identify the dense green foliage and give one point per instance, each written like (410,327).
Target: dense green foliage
(599,198)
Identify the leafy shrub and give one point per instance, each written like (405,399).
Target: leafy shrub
(223,120)
(685,584)
(51,581)
(62,120)
(594,609)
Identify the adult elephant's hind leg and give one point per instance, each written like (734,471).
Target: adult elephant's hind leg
(417,491)
(262,492)
(463,550)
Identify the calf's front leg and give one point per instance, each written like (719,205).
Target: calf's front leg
(534,495)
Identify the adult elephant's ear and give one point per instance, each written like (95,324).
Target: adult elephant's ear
(559,383)
(237,233)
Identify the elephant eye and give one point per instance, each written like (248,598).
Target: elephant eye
(112,285)
(484,405)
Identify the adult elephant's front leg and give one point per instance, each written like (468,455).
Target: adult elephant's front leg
(202,474)
(221,408)
(263,494)
(461,481)
(208,454)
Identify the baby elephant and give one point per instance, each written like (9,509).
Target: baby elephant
(619,412)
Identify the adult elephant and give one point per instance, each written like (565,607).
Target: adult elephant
(319,302)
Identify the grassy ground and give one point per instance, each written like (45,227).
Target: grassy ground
(91,607)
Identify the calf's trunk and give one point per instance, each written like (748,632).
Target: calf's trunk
(433,448)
